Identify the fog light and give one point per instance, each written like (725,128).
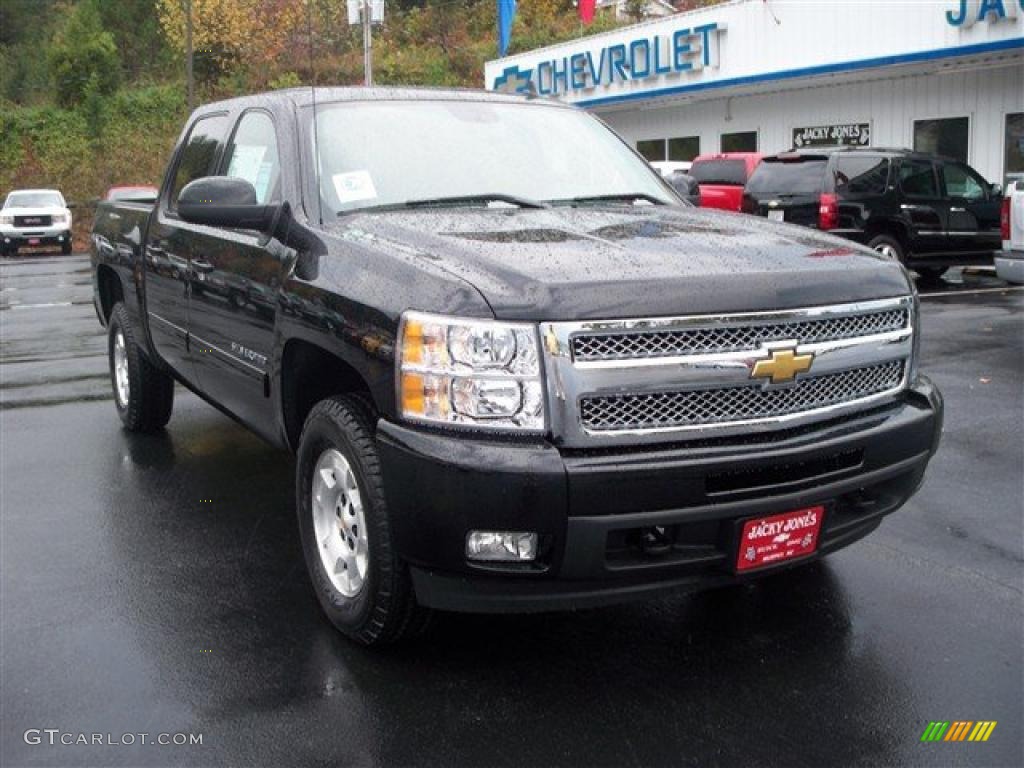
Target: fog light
(501,546)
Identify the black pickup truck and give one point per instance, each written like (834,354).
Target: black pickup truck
(518,372)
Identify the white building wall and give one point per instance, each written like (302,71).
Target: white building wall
(769,41)
(891,105)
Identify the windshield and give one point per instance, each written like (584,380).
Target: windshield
(727,172)
(775,177)
(34,200)
(387,153)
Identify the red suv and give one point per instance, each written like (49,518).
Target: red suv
(722,177)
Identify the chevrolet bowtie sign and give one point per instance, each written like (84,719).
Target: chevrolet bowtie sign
(681,53)
(782,366)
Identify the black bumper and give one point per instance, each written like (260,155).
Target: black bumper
(18,239)
(593,510)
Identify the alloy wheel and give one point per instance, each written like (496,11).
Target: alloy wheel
(121,380)
(339,523)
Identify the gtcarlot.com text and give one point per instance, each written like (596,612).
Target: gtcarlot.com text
(56,736)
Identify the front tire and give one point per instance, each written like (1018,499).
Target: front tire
(65,247)
(344,524)
(143,394)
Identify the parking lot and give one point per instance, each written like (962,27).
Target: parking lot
(155,584)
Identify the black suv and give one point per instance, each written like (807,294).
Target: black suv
(929,212)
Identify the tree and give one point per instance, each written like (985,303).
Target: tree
(635,10)
(83,57)
(136,32)
(232,35)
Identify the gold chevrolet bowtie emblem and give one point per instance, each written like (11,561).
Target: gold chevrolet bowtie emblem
(782,366)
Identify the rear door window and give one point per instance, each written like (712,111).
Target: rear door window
(917,178)
(805,176)
(860,175)
(199,156)
(724,171)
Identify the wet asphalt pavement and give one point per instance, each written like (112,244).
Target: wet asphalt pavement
(156,585)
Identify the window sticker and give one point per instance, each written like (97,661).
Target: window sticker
(353,186)
(262,182)
(245,161)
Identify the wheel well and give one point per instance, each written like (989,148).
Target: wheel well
(111,290)
(308,375)
(891,228)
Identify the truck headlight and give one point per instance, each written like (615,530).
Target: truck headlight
(473,373)
(7,220)
(60,219)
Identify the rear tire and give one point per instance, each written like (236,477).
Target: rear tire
(344,524)
(888,246)
(143,394)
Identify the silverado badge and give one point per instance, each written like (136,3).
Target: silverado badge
(782,366)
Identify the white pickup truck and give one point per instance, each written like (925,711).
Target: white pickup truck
(1010,260)
(32,217)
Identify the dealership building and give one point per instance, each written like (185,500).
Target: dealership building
(945,76)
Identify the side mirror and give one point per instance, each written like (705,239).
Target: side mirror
(685,186)
(996,190)
(225,201)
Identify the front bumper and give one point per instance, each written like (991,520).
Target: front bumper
(592,509)
(38,236)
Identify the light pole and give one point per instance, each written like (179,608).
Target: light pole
(367,13)
(188,52)
(367,46)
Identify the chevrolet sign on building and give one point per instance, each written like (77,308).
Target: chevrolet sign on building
(756,75)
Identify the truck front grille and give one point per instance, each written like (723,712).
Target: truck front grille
(653,380)
(660,410)
(715,337)
(32,221)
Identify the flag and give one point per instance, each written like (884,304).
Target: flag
(506,13)
(586,9)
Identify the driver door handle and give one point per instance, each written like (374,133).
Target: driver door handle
(956,209)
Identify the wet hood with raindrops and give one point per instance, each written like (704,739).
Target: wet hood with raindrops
(588,262)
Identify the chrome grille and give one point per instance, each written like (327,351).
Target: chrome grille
(659,410)
(716,338)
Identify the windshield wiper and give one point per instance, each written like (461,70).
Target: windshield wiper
(454,201)
(616,198)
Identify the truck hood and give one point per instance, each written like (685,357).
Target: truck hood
(591,262)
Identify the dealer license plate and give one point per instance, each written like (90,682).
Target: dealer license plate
(33,241)
(767,541)
(777,215)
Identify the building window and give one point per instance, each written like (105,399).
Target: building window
(652,149)
(684,148)
(744,141)
(946,136)
(1013,166)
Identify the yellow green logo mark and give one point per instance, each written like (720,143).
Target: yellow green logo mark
(958,730)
